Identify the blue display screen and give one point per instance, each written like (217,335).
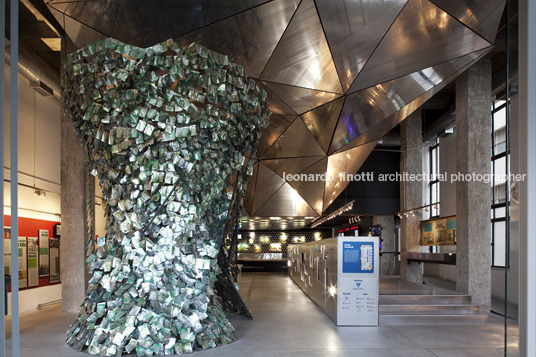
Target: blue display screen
(358,257)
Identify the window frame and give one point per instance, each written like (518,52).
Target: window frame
(433,184)
(495,205)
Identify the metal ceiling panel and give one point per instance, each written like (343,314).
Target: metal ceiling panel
(423,35)
(278,124)
(80,34)
(250,192)
(98,15)
(300,99)
(321,122)
(276,104)
(346,162)
(144,23)
(250,37)
(286,202)
(296,141)
(482,17)
(302,57)
(291,166)
(443,73)
(354,29)
(267,184)
(365,109)
(57,14)
(58,6)
(312,191)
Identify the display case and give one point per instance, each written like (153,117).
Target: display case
(273,244)
(341,275)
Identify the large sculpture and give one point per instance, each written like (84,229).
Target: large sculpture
(166,129)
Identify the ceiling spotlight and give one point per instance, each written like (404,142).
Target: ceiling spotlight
(426,209)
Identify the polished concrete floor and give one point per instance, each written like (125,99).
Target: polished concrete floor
(287,323)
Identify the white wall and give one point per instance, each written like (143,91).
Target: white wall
(38,152)
(30,299)
(39,166)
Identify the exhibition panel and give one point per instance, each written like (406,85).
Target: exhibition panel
(167,130)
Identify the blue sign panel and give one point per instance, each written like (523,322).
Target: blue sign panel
(358,257)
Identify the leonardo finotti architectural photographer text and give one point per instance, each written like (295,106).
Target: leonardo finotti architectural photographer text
(405,177)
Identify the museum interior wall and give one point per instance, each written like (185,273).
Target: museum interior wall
(39,167)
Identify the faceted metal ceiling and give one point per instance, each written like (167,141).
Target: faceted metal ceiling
(340,74)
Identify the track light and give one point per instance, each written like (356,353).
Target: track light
(40,193)
(338,212)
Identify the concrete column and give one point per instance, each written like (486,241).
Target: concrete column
(73,212)
(387,261)
(473,198)
(411,194)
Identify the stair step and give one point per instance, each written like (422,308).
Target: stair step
(433,319)
(425,299)
(411,310)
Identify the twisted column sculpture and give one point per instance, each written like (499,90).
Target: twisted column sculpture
(166,130)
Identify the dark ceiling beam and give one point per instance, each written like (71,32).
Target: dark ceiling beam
(45,12)
(39,29)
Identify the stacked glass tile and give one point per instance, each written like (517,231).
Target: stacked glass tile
(166,128)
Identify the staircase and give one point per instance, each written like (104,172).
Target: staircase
(440,306)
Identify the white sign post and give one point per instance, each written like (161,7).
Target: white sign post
(358,281)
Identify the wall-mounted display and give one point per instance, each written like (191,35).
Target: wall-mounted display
(275,247)
(33,261)
(271,242)
(169,132)
(23,263)
(298,239)
(243,247)
(264,240)
(44,266)
(438,231)
(57,230)
(54,252)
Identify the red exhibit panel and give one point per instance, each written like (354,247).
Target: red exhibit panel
(37,257)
